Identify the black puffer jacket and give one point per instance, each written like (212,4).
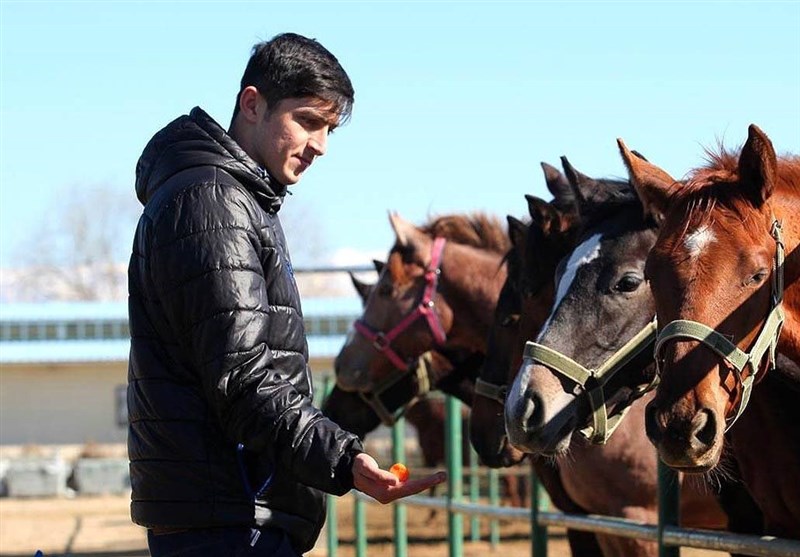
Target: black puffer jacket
(218,349)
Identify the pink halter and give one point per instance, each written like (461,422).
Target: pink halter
(383,341)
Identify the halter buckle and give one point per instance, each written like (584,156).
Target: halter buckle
(380,342)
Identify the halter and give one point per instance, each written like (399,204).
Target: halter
(766,342)
(425,309)
(424,373)
(592,381)
(491,391)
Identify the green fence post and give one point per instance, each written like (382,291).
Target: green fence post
(668,507)
(455,482)
(494,500)
(474,494)
(538,532)
(400,510)
(360,520)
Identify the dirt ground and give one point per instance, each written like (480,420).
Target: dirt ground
(100,526)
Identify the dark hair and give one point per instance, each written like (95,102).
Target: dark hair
(290,66)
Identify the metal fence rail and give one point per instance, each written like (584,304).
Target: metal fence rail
(669,536)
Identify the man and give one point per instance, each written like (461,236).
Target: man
(225,446)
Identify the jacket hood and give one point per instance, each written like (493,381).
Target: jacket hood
(197,140)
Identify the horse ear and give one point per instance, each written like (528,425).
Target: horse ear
(362,288)
(542,212)
(652,185)
(517,231)
(411,238)
(758,165)
(379,265)
(402,228)
(583,187)
(558,185)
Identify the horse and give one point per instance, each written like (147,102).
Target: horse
(727,302)
(452,372)
(527,284)
(435,291)
(462,289)
(601,302)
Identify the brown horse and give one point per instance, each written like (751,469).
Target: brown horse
(434,291)
(715,273)
(618,478)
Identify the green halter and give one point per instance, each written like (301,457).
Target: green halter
(592,381)
(424,372)
(491,391)
(766,342)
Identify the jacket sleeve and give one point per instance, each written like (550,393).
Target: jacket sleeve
(207,267)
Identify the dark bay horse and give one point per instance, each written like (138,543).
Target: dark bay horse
(600,302)
(721,286)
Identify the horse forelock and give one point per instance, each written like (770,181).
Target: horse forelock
(396,266)
(477,230)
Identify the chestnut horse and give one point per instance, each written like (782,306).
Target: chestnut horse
(721,286)
(433,292)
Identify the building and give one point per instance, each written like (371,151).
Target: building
(63,367)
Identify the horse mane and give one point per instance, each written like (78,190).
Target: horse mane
(710,185)
(473,229)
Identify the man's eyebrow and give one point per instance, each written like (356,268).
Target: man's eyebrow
(330,117)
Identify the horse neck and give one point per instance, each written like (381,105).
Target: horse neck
(787,206)
(472,279)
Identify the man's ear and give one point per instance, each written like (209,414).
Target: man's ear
(251,103)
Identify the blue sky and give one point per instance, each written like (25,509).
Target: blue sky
(456,102)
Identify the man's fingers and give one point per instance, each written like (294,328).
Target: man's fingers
(412,487)
(379,476)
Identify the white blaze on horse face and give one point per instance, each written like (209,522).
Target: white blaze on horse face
(698,240)
(585,253)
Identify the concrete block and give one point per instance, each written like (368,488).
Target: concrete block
(37,477)
(94,476)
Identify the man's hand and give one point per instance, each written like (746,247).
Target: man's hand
(384,486)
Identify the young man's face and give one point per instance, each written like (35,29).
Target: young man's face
(292,134)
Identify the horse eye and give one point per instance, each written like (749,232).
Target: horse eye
(628,283)
(510,320)
(759,277)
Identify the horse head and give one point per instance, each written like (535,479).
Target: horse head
(600,302)
(450,266)
(713,276)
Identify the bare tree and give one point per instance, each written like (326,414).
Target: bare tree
(305,233)
(78,249)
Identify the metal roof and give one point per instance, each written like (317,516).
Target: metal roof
(77,351)
(87,311)
(116,350)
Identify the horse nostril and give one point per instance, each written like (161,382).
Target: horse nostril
(704,427)
(651,423)
(535,419)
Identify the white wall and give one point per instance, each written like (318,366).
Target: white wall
(61,404)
